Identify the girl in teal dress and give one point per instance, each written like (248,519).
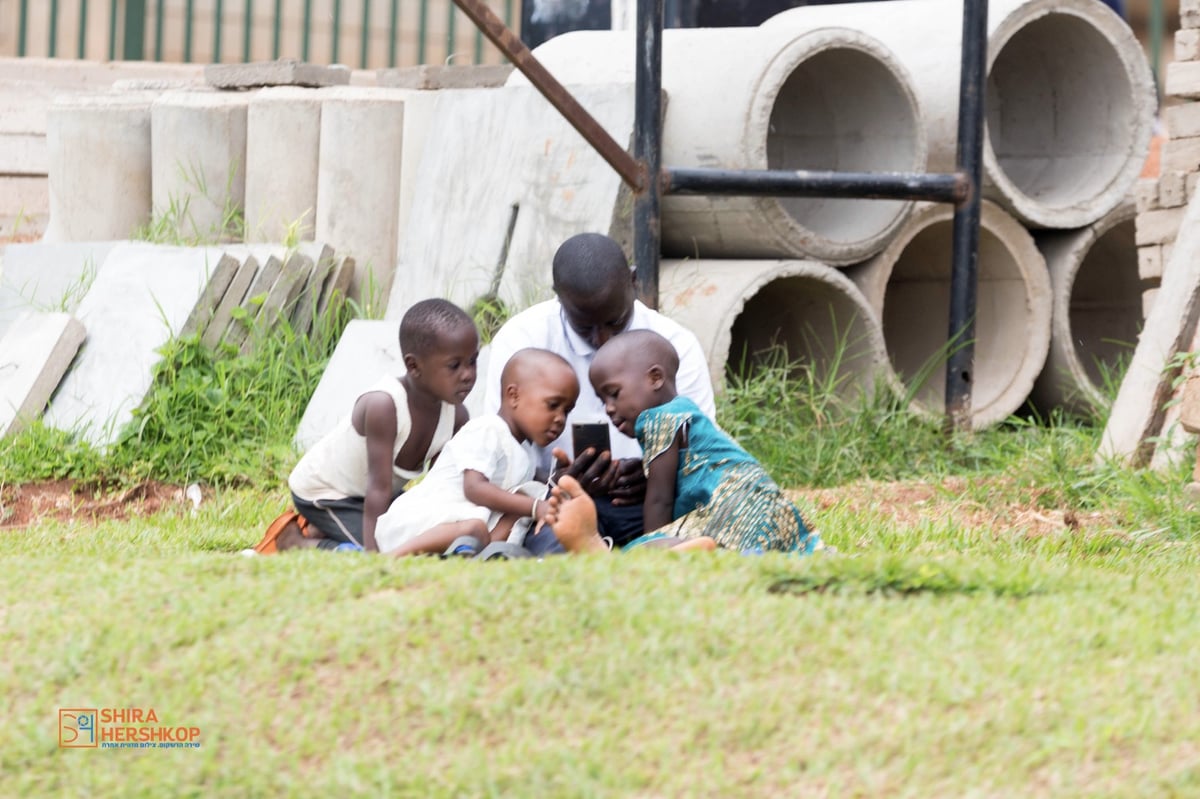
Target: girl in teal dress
(699,482)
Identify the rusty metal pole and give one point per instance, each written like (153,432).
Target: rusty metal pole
(515,51)
(647,148)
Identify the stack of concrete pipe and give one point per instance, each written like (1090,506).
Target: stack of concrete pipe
(874,87)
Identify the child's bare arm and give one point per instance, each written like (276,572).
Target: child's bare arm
(480,491)
(659,508)
(378,415)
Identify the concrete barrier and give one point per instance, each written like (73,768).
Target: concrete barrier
(1070,98)
(742,310)
(821,99)
(198,161)
(99,150)
(908,286)
(1097,310)
(283,131)
(358,180)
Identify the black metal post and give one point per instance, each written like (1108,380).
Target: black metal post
(647,148)
(965,265)
(803,183)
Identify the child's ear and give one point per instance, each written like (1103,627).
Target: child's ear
(657,375)
(410,364)
(511,393)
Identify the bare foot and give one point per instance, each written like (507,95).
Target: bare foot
(701,544)
(292,538)
(572,516)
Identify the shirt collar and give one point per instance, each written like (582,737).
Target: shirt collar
(578,344)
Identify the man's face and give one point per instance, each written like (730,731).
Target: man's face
(599,317)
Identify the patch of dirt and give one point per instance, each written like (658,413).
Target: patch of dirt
(24,505)
(908,504)
(904,504)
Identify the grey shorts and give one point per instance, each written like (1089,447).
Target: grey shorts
(339,520)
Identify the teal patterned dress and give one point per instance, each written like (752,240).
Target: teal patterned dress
(720,490)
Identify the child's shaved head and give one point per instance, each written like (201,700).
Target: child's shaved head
(639,350)
(427,322)
(532,363)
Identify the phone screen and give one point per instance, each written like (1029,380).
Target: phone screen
(592,434)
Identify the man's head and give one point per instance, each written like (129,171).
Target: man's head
(538,390)
(440,346)
(594,286)
(632,372)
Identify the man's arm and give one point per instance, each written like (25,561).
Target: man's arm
(378,414)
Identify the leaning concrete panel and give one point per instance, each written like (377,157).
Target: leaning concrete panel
(508,176)
(367,350)
(47,277)
(139,300)
(1137,412)
(34,355)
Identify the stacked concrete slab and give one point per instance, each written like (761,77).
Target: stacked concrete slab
(128,299)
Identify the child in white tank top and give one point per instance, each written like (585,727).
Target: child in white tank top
(347,480)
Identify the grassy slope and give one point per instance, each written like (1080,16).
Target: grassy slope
(1048,667)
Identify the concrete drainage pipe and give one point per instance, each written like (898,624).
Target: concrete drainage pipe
(826,99)
(744,310)
(908,285)
(1070,98)
(1097,310)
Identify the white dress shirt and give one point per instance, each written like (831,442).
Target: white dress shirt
(545,325)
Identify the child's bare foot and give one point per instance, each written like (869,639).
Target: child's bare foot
(572,516)
(701,544)
(293,538)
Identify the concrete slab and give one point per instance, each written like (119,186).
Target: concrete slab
(367,349)
(34,355)
(445,76)
(284,72)
(140,299)
(47,277)
(507,168)
(1137,412)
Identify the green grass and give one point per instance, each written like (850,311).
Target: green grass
(948,651)
(939,661)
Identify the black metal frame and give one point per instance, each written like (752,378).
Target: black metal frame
(649,180)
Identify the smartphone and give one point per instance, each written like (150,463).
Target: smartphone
(591,434)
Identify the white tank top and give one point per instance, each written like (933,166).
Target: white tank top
(336,466)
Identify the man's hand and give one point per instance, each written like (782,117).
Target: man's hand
(596,472)
(629,485)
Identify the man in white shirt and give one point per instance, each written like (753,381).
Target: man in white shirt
(594,288)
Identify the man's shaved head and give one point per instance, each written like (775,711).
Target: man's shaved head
(588,264)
